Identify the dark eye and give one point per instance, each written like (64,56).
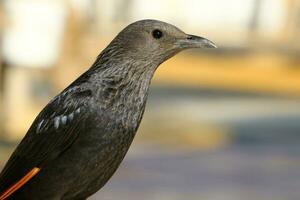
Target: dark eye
(157,34)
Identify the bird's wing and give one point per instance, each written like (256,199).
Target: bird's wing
(52,132)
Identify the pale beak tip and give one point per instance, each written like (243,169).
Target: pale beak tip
(200,42)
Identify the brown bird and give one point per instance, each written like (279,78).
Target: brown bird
(79,139)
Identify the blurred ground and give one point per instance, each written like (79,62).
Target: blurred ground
(234,173)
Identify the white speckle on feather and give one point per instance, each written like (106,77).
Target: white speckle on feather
(39,126)
(56,122)
(64,120)
(71,116)
(77,111)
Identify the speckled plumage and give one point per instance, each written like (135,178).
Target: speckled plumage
(80,138)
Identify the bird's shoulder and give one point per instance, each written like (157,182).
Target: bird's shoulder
(64,110)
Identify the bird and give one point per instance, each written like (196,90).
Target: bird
(78,140)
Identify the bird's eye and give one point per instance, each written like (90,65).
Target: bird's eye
(157,34)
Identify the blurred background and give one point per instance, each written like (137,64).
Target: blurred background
(219,124)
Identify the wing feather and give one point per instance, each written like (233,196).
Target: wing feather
(53,131)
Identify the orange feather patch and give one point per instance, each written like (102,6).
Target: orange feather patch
(20,183)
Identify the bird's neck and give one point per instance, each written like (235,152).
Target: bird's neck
(128,84)
(122,87)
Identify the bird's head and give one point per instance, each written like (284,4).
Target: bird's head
(156,41)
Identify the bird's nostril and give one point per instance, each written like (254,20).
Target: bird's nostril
(190,37)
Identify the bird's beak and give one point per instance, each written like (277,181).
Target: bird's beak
(192,41)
